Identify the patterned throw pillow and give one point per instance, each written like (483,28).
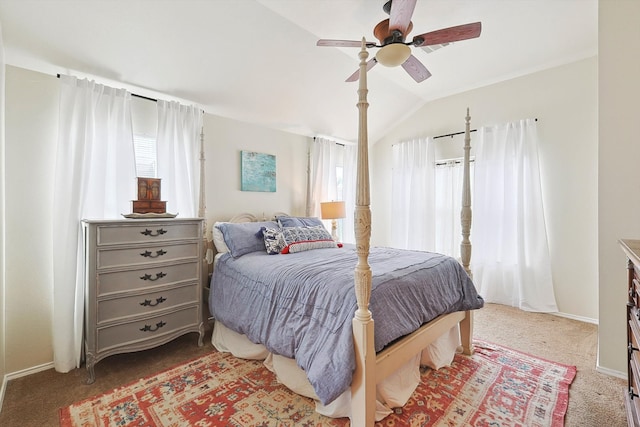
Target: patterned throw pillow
(273,240)
(298,239)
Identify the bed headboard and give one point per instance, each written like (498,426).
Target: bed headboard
(244,217)
(247,217)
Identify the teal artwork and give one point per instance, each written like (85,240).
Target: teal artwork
(258,171)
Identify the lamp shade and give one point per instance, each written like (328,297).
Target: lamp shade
(332,210)
(393,54)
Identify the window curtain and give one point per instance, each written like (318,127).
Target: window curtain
(448,206)
(94,178)
(511,262)
(323,160)
(413,195)
(326,159)
(349,173)
(178,148)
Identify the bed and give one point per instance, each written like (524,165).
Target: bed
(308,310)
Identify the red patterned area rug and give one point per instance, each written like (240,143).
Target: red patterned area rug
(496,386)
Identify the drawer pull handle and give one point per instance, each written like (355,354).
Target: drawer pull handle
(159,232)
(149,254)
(148,303)
(631,393)
(149,328)
(153,279)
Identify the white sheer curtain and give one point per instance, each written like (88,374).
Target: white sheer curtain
(94,178)
(323,161)
(326,159)
(448,206)
(511,262)
(349,166)
(412,199)
(178,145)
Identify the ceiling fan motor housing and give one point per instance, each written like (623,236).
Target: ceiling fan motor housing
(382,33)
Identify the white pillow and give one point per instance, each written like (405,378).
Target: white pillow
(218,239)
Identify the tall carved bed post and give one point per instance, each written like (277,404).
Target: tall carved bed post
(466,325)
(202,213)
(465,214)
(363,387)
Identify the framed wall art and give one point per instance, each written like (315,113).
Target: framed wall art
(258,171)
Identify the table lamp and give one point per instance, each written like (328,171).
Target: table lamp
(333,211)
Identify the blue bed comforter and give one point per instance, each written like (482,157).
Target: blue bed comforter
(301,305)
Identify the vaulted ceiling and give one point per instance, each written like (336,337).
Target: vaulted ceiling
(257,60)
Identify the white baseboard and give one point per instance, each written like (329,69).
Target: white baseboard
(611,372)
(28,371)
(22,373)
(2,389)
(579,318)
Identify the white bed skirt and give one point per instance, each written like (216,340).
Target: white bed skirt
(393,392)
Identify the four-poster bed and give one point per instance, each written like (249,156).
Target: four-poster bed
(378,352)
(372,367)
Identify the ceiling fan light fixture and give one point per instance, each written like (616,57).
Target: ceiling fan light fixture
(393,54)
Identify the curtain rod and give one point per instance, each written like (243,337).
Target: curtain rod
(454,134)
(461,133)
(337,142)
(133,94)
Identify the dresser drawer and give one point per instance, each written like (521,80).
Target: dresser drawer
(148,232)
(118,308)
(146,329)
(634,292)
(146,277)
(632,395)
(147,254)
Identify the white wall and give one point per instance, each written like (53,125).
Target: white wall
(31,134)
(2,225)
(225,139)
(564,100)
(618,168)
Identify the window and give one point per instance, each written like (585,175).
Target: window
(448,204)
(146,157)
(340,196)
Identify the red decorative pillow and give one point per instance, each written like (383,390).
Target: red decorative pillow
(298,239)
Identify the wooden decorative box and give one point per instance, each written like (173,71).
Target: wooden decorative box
(149,197)
(148,188)
(149,206)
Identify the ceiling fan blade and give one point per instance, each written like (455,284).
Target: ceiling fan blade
(400,16)
(415,69)
(355,76)
(449,35)
(343,43)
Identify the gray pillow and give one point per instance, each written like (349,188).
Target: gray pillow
(299,221)
(244,237)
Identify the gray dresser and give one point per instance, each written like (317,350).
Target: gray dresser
(143,285)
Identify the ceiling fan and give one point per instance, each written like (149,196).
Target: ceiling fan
(395,50)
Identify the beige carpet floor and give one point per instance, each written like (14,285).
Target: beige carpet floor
(595,399)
